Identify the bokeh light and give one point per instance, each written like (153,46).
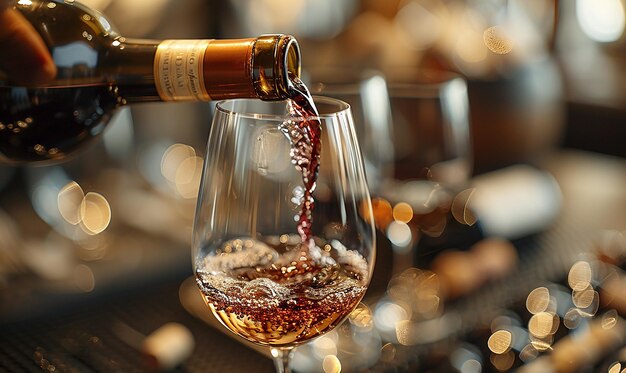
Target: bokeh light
(188,177)
(362,317)
(69,200)
(584,298)
(471,366)
(500,341)
(172,159)
(609,319)
(403,212)
(383,213)
(324,346)
(502,362)
(542,344)
(387,314)
(497,40)
(616,367)
(572,318)
(528,353)
(183,169)
(331,364)
(601,20)
(95,213)
(399,234)
(538,300)
(460,207)
(388,352)
(541,324)
(90,211)
(579,277)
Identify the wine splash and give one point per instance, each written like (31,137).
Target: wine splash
(305,137)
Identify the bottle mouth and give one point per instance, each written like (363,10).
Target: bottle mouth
(275,62)
(291,60)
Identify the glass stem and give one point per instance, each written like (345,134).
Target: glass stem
(282,357)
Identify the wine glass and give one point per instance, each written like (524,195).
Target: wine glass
(276,266)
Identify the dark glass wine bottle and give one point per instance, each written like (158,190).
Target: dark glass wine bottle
(98,70)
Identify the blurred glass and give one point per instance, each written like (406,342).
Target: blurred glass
(431,133)
(366,93)
(432,161)
(413,128)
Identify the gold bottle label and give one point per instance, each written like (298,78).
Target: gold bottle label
(178,70)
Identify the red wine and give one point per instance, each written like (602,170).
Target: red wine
(260,293)
(305,137)
(48,123)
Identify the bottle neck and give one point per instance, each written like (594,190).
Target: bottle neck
(202,70)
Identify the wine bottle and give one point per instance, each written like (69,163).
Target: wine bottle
(99,70)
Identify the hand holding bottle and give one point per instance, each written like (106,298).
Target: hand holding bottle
(24,57)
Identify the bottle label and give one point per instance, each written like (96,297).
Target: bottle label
(178,70)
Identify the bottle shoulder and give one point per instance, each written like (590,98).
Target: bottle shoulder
(77,37)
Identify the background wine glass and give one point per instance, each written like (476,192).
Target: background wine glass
(430,112)
(414,129)
(432,163)
(254,273)
(366,93)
